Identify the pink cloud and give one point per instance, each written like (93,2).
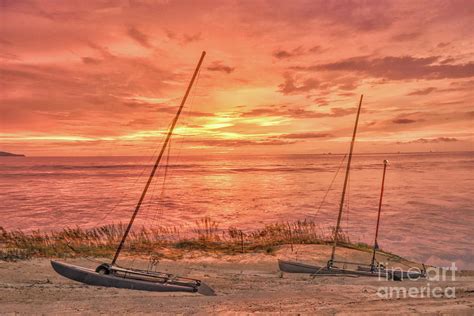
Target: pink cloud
(306,135)
(431,140)
(139,36)
(220,67)
(77,69)
(398,68)
(424,91)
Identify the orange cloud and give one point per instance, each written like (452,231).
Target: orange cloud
(104,77)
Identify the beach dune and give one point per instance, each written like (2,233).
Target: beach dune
(245,283)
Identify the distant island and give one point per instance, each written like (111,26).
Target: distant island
(5,154)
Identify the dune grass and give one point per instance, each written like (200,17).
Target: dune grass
(169,242)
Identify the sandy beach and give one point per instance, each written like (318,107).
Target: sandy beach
(246,283)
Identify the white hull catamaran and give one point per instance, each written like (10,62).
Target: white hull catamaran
(111,275)
(362,269)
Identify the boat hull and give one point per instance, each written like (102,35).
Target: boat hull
(89,276)
(395,274)
(298,267)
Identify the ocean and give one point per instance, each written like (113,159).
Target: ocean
(427,212)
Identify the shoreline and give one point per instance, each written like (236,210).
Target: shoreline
(244,283)
(276,155)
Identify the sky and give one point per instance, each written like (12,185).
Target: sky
(87,78)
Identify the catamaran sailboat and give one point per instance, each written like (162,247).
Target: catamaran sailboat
(363,269)
(110,274)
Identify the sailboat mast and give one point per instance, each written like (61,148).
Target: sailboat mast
(372,264)
(155,166)
(338,224)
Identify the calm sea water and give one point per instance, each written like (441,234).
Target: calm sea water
(427,214)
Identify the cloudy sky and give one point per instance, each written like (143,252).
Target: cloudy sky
(105,77)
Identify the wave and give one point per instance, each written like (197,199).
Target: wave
(279,169)
(89,167)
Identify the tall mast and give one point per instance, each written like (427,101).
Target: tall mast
(372,264)
(338,224)
(155,167)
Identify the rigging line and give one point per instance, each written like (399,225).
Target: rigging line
(330,185)
(159,208)
(122,198)
(158,211)
(187,111)
(166,168)
(158,145)
(133,185)
(149,203)
(158,215)
(180,143)
(341,205)
(155,166)
(326,194)
(165,178)
(348,206)
(130,78)
(100,222)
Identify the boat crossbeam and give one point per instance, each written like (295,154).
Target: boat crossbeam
(161,277)
(331,263)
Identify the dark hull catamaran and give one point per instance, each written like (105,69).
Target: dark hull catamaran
(362,269)
(131,279)
(111,275)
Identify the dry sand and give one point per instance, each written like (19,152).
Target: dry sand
(247,283)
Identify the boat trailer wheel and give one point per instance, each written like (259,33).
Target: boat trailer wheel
(104,268)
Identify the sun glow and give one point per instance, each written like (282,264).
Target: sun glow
(267,121)
(261,86)
(151,100)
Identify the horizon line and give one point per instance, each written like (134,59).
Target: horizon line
(271,154)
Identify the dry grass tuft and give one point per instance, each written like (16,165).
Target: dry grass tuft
(161,241)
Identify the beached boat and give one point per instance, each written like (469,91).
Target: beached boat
(132,279)
(360,269)
(111,275)
(299,267)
